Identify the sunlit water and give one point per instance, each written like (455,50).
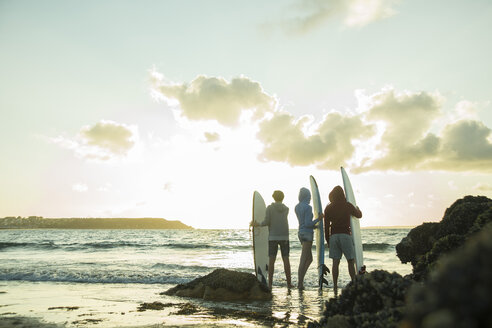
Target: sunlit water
(138,264)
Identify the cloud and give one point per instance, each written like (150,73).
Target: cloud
(214,98)
(483,186)
(105,188)
(80,187)
(465,110)
(285,139)
(407,117)
(102,141)
(408,143)
(110,136)
(168,186)
(465,147)
(392,130)
(311,14)
(452,185)
(211,136)
(363,12)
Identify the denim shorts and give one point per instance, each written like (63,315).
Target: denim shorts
(305,236)
(341,243)
(273,247)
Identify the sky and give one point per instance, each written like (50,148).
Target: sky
(182,109)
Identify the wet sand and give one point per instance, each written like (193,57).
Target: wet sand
(35,304)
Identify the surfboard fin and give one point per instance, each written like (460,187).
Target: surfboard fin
(322,282)
(262,276)
(325,269)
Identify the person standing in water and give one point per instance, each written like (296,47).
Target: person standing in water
(304,213)
(337,232)
(278,235)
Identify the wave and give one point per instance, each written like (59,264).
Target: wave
(109,245)
(69,246)
(158,274)
(43,245)
(103,277)
(377,247)
(109,279)
(118,244)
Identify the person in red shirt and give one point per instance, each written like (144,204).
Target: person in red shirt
(337,232)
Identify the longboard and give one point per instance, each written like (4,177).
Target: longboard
(354,224)
(260,239)
(319,234)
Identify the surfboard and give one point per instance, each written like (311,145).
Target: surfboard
(319,236)
(354,224)
(260,239)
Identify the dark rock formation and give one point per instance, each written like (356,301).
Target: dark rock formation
(418,242)
(427,242)
(461,216)
(458,291)
(375,299)
(451,285)
(223,285)
(153,306)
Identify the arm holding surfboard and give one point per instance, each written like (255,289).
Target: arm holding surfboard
(356,211)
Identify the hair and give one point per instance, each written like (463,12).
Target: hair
(278,196)
(337,195)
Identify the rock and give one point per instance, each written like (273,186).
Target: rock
(187,309)
(223,285)
(338,321)
(450,285)
(481,221)
(458,291)
(375,299)
(418,242)
(425,244)
(461,216)
(153,306)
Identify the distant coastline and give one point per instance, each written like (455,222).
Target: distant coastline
(388,227)
(37,222)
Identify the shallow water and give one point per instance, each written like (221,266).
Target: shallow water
(109,272)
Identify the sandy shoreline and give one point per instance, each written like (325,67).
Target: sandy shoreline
(35,304)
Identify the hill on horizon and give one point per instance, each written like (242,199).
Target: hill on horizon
(37,222)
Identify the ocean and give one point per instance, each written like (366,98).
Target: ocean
(110,272)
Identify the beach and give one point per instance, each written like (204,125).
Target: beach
(117,305)
(98,278)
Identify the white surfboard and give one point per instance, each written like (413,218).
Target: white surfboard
(319,236)
(260,239)
(354,224)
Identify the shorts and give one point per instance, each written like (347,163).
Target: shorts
(341,243)
(273,248)
(305,236)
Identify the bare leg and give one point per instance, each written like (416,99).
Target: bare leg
(271,269)
(334,271)
(306,259)
(287,271)
(351,268)
(300,270)
(309,260)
